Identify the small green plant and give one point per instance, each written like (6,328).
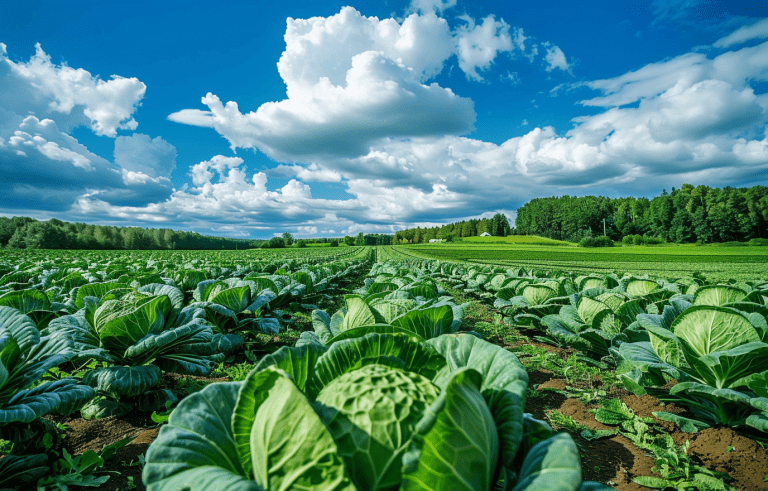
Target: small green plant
(564,421)
(235,373)
(673,464)
(5,447)
(533,393)
(162,417)
(79,470)
(189,385)
(139,462)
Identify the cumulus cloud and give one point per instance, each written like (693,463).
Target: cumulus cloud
(72,93)
(202,172)
(380,100)
(141,153)
(555,58)
(223,193)
(478,45)
(44,167)
(23,142)
(353,81)
(310,173)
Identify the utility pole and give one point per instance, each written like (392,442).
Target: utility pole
(603,226)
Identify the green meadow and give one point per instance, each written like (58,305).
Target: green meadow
(718,263)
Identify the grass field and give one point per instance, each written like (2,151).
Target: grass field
(718,263)
(516,239)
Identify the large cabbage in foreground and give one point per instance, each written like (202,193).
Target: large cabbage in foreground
(376,412)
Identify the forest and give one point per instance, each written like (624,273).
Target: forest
(498,225)
(28,233)
(700,214)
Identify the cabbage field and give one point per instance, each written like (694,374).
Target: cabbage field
(382,368)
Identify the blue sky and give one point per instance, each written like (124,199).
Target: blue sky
(248,119)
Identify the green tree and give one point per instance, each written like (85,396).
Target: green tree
(287,239)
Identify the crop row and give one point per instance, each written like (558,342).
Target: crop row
(383,394)
(721,264)
(117,321)
(700,345)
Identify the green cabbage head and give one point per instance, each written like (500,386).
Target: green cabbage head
(380,412)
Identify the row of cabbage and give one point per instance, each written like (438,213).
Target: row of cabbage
(702,346)
(384,394)
(123,328)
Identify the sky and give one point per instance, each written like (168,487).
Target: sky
(250,119)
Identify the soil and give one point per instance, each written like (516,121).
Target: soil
(723,450)
(616,460)
(123,469)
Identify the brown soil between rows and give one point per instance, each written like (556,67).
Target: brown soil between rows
(616,460)
(124,468)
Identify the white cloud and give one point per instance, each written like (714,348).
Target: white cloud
(324,47)
(380,100)
(44,137)
(201,172)
(140,153)
(478,45)
(296,189)
(427,6)
(738,68)
(555,58)
(648,81)
(22,141)
(311,173)
(45,169)
(106,105)
(758,30)
(352,81)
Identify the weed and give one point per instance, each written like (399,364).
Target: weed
(563,421)
(235,373)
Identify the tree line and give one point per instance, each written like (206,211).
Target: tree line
(699,214)
(368,239)
(498,225)
(28,233)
